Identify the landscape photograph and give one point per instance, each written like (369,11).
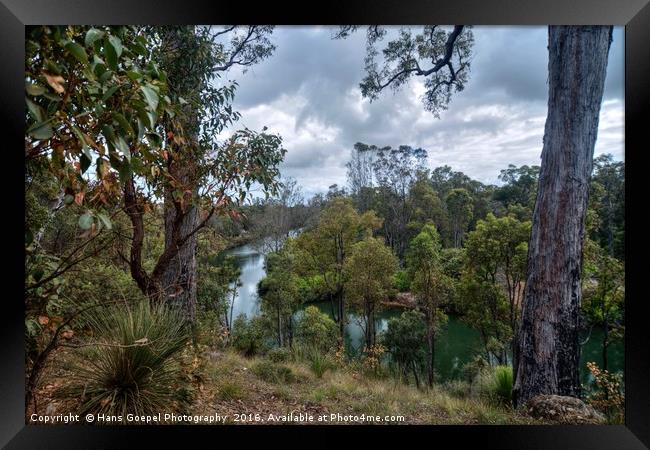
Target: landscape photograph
(348,225)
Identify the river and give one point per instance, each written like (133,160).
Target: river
(456,344)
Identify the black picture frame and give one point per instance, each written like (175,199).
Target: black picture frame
(633,14)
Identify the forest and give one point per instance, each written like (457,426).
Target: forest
(135,218)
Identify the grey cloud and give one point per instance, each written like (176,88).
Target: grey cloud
(309,93)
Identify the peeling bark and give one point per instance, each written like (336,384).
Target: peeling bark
(548,346)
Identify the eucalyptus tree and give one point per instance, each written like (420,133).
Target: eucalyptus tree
(496,253)
(604,295)
(440,55)
(460,210)
(360,174)
(87,97)
(194,57)
(369,271)
(607,198)
(279,294)
(430,285)
(280,215)
(323,249)
(548,353)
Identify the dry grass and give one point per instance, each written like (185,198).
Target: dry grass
(226,383)
(340,391)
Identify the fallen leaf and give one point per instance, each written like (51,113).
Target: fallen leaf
(43,320)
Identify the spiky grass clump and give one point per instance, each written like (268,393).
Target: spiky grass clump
(503,383)
(131,366)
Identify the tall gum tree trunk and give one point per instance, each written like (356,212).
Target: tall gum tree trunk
(548,346)
(179,280)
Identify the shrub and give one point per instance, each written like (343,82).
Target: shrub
(503,383)
(229,390)
(209,330)
(316,329)
(132,365)
(474,368)
(606,394)
(279,354)
(372,358)
(273,372)
(405,339)
(401,281)
(249,336)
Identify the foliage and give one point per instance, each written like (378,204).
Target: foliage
(372,358)
(401,281)
(217,286)
(273,372)
(316,329)
(131,366)
(439,55)
(405,340)
(607,201)
(279,354)
(369,271)
(520,187)
(485,308)
(93,91)
(322,249)
(249,336)
(496,253)
(459,205)
(279,293)
(607,394)
(604,295)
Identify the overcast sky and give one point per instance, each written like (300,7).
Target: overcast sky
(308,92)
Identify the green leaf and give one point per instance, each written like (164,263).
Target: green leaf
(34,89)
(124,171)
(117,44)
(108,132)
(155,139)
(36,111)
(139,49)
(93,35)
(77,51)
(85,221)
(150,96)
(68,199)
(124,124)
(38,274)
(133,75)
(109,92)
(84,162)
(105,76)
(111,55)
(29,237)
(41,131)
(122,146)
(105,220)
